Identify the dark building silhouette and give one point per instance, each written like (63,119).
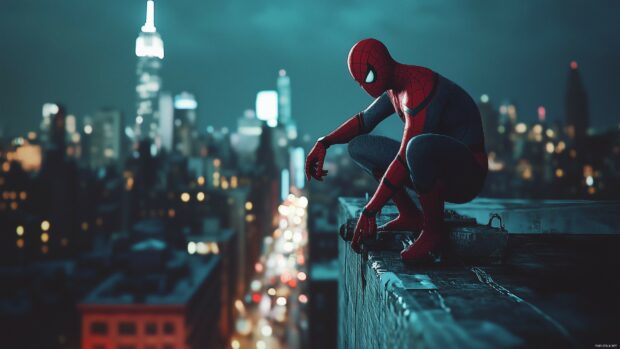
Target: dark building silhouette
(58,194)
(490,124)
(577,115)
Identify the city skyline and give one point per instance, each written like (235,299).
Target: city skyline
(206,55)
(152,201)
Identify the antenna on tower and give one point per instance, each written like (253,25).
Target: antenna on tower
(149,25)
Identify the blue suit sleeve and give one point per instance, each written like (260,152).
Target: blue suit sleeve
(380,109)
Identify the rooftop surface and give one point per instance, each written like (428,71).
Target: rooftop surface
(546,290)
(169,287)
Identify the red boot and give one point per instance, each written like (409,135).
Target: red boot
(432,232)
(409,216)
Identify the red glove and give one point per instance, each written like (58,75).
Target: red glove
(366,227)
(314,162)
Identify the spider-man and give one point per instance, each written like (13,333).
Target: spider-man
(441,155)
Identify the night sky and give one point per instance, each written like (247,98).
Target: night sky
(81,53)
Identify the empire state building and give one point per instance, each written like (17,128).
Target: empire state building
(150,52)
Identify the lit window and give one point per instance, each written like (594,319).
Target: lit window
(191,247)
(200,196)
(549,147)
(185,197)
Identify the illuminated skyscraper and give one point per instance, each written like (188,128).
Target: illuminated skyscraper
(49,110)
(284,105)
(267,107)
(184,123)
(150,52)
(105,146)
(166,120)
(245,141)
(284,97)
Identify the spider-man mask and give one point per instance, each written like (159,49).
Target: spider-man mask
(371,66)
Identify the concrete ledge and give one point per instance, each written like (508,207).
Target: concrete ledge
(550,291)
(547,216)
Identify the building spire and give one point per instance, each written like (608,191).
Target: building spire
(149,25)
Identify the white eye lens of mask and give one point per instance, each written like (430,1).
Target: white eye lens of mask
(370,77)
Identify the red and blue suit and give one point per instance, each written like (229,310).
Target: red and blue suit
(441,155)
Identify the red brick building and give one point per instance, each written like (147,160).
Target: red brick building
(175,308)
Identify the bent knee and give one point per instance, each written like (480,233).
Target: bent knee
(419,150)
(357,147)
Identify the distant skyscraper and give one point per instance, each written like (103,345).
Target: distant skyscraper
(267,107)
(284,104)
(49,110)
(105,146)
(166,120)
(184,122)
(297,167)
(245,141)
(150,52)
(284,97)
(490,124)
(577,115)
(58,131)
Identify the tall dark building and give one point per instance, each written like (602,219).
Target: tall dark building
(58,132)
(58,194)
(490,124)
(577,115)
